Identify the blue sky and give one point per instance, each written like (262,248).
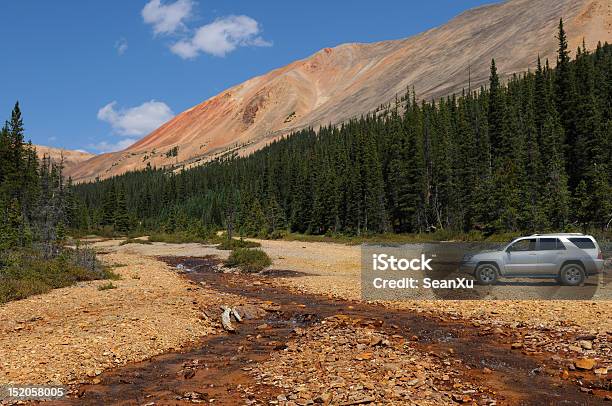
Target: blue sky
(97,75)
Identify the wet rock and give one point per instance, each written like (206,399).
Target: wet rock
(250,312)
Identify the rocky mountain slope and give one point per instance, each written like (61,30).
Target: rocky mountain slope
(72,159)
(336,84)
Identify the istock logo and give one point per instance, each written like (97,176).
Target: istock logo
(384,262)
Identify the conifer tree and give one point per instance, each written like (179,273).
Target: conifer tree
(121,218)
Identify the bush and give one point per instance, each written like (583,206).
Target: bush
(228,244)
(248,260)
(107,286)
(28,272)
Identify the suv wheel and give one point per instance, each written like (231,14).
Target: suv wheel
(486,274)
(572,275)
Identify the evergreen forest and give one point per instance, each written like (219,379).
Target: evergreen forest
(528,153)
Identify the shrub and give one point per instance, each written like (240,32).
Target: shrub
(107,286)
(27,272)
(248,260)
(228,244)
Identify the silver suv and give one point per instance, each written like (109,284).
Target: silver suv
(568,258)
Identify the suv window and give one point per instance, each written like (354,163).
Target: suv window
(584,243)
(549,244)
(523,245)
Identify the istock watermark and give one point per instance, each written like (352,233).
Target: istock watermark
(446,271)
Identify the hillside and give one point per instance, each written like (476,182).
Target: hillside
(336,84)
(71,158)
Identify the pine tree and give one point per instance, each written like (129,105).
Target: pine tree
(121,218)
(109,206)
(565,99)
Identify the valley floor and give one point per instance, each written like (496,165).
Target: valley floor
(343,351)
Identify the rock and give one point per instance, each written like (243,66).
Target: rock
(585,363)
(486,370)
(264,326)
(362,401)
(226,320)
(461,398)
(601,371)
(96,381)
(516,346)
(236,315)
(364,356)
(587,345)
(250,312)
(374,341)
(189,373)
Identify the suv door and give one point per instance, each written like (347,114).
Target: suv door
(521,258)
(551,252)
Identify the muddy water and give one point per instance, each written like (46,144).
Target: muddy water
(218,368)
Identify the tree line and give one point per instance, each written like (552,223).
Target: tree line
(530,154)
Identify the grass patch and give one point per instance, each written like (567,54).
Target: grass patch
(232,244)
(248,260)
(437,236)
(135,241)
(107,286)
(27,272)
(179,238)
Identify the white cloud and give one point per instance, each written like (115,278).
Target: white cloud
(221,37)
(121,46)
(136,121)
(105,146)
(166,18)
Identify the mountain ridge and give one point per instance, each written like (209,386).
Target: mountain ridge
(71,158)
(335,84)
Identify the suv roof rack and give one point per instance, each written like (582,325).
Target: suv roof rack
(537,235)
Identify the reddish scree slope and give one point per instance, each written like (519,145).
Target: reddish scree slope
(336,84)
